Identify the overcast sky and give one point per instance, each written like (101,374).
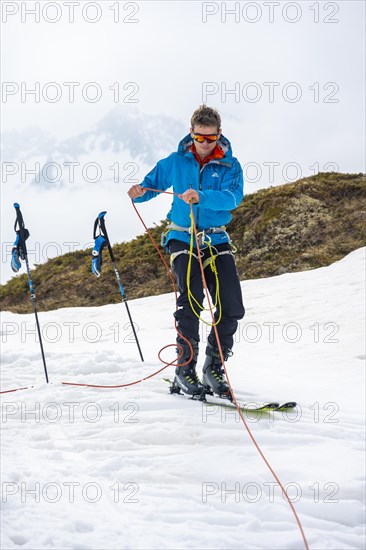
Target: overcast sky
(173,48)
(297,70)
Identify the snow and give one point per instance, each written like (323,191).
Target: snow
(136,467)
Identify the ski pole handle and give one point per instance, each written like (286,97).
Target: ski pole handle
(97,223)
(22,231)
(105,234)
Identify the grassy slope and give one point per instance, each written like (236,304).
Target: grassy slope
(294,227)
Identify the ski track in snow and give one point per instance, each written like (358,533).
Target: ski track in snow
(136,467)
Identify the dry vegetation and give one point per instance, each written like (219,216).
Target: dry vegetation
(294,227)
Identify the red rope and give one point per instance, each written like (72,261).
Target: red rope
(17,389)
(233,394)
(190,358)
(176,345)
(166,365)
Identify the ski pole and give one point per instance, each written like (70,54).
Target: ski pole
(100,223)
(20,250)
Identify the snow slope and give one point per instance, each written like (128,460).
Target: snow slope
(135,467)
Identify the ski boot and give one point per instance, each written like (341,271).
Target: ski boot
(186,377)
(213,379)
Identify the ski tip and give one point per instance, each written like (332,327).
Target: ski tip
(102,214)
(16,205)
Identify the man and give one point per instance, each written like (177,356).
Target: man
(203,172)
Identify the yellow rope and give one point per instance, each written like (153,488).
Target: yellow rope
(191,298)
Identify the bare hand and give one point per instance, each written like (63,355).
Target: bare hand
(136,191)
(190,196)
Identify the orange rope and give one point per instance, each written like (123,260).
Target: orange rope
(233,394)
(190,358)
(17,389)
(222,360)
(176,345)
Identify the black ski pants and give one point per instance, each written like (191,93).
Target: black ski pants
(229,289)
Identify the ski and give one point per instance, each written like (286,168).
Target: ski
(252,406)
(245,407)
(211,399)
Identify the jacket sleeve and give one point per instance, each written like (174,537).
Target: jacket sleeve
(231,193)
(157,178)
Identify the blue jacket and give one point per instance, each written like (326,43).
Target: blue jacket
(219,184)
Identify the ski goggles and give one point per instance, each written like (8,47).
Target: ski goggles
(210,138)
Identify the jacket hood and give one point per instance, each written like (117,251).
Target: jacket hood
(187,141)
